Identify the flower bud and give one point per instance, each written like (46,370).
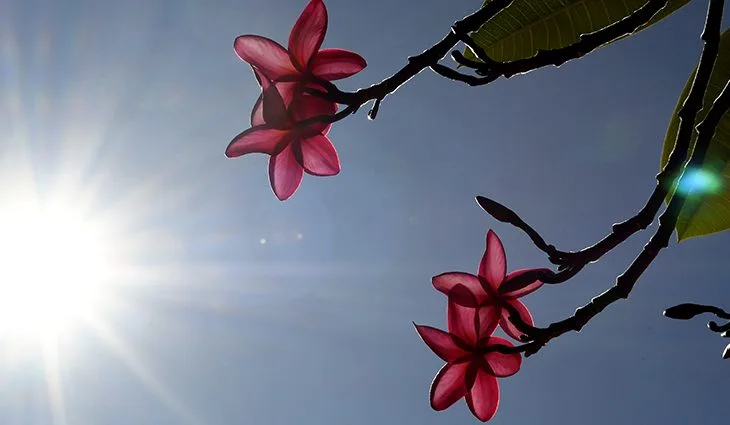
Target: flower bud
(497,210)
(685,311)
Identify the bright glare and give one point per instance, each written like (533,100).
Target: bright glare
(698,181)
(53,266)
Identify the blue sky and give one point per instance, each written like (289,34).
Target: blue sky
(127,107)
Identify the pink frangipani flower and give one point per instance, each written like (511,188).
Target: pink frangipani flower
(483,290)
(472,365)
(277,129)
(276,119)
(303,60)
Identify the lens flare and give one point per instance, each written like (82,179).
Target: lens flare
(699,181)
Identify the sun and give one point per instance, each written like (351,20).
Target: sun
(54,265)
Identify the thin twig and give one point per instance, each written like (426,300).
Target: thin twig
(329,119)
(455,75)
(717,311)
(714,327)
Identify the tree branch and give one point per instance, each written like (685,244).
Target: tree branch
(667,221)
(620,232)
(455,75)
(489,69)
(417,63)
(687,116)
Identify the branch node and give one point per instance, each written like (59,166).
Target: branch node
(373,112)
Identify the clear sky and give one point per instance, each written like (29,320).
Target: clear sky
(230,307)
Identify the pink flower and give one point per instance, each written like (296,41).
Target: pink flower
(303,59)
(277,130)
(276,119)
(483,290)
(471,368)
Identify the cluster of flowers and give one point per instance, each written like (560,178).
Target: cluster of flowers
(284,125)
(282,120)
(476,306)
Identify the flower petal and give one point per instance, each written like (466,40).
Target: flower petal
(449,385)
(447,282)
(440,342)
(274,109)
(335,64)
(257,113)
(308,33)
(483,397)
(527,289)
(502,365)
(472,324)
(462,296)
(318,156)
(261,139)
(287,92)
(461,322)
(265,54)
(261,78)
(285,173)
(493,266)
(487,320)
(508,327)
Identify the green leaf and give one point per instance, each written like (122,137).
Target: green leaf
(527,26)
(712,182)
